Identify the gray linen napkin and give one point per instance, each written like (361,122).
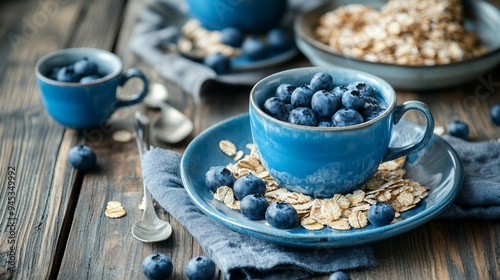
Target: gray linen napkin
(479,197)
(239,256)
(159,23)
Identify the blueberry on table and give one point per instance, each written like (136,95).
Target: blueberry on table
(282,215)
(67,74)
(352,99)
(284,92)
(218,62)
(325,104)
(249,184)
(254,206)
(200,268)
(276,108)
(85,67)
(82,157)
(321,81)
(157,267)
(363,88)
(458,129)
(303,116)
(495,113)
(302,96)
(231,36)
(339,275)
(346,117)
(381,214)
(278,39)
(254,48)
(218,176)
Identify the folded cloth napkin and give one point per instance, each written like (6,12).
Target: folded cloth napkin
(479,197)
(159,23)
(239,256)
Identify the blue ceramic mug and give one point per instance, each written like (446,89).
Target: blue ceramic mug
(83,106)
(323,161)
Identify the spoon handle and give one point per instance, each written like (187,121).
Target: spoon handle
(142,129)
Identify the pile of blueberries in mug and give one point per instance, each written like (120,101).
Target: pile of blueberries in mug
(320,103)
(82,71)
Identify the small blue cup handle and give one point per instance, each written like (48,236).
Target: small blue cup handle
(396,152)
(136,98)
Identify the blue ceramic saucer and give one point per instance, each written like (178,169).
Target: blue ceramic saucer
(436,166)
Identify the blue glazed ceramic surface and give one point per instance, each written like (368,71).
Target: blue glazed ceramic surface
(436,166)
(82,106)
(250,16)
(324,161)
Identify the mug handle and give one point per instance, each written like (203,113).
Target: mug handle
(396,152)
(136,98)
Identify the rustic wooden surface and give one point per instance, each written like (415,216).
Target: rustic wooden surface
(61,232)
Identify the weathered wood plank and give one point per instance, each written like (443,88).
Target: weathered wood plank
(31,142)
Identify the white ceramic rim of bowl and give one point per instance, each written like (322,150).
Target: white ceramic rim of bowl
(299,27)
(83,52)
(368,77)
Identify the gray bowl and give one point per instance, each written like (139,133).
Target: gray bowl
(480,17)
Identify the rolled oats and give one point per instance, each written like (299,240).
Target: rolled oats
(114,210)
(420,32)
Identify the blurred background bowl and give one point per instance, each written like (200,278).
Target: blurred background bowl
(480,17)
(250,16)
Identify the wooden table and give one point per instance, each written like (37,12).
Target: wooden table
(60,229)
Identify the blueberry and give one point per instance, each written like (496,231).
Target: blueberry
(495,113)
(339,275)
(254,48)
(82,157)
(346,117)
(89,79)
(325,104)
(282,215)
(278,39)
(218,62)
(325,124)
(53,73)
(231,36)
(218,176)
(253,206)
(301,96)
(303,116)
(284,92)
(157,267)
(363,88)
(289,107)
(276,108)
(371,109)
(352,99)
(200,268)
(67,74)
(381,214)
(249,184)
(321,81)
(339,91)
(458,129)
(85,67)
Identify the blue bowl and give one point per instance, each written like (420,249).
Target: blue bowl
(321,161)
(250,16)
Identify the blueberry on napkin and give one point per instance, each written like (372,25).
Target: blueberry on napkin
(239,256)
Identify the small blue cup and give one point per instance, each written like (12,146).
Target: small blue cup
(323,161)
(84,106)
(250,16)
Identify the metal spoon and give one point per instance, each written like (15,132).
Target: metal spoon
(171,126)
(150,228)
